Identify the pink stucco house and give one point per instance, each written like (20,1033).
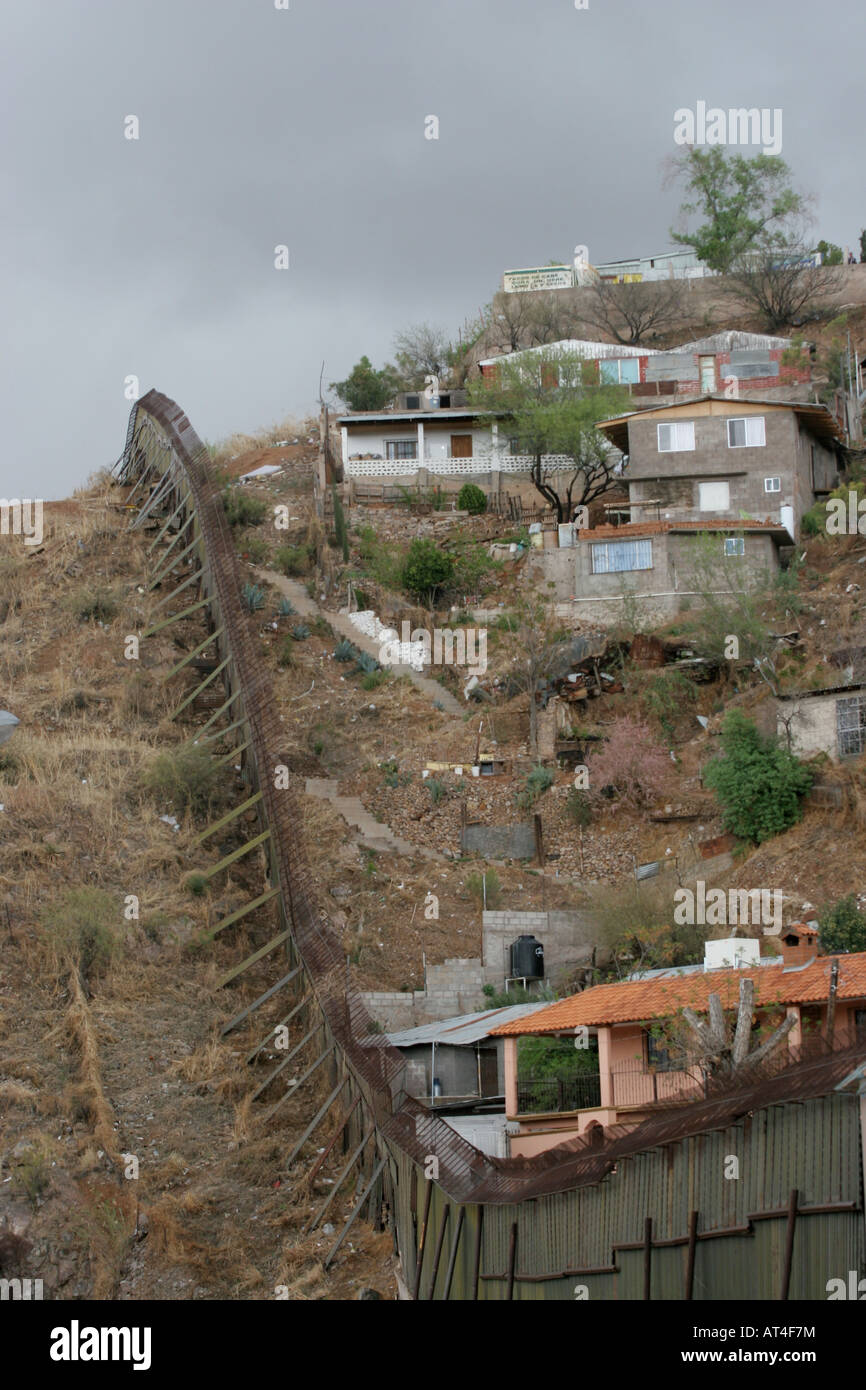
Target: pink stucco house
(635,1072)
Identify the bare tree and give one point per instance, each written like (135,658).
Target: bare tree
(629,311)
(421,350)
(783,286)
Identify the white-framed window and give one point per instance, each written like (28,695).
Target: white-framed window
(772,484)
(612,557)
(714,497)
(617,371)
(401,448)
(747,433)
(851,726)
(675,438)
(735,545)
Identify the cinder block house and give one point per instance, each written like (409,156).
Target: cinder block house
(652,563)
(721,458)
(831,721)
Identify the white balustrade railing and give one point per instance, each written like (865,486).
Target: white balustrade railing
(482,463)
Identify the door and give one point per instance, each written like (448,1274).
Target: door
(708,375)
(461,446)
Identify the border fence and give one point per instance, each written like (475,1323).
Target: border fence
(648,1212)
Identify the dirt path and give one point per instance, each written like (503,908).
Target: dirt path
(341,623)
(373,833)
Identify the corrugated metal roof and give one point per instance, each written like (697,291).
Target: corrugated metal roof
(463,1028)
(580,347)
(732,341)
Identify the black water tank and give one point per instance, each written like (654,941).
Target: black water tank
(527,958)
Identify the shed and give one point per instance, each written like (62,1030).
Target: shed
(459,1053)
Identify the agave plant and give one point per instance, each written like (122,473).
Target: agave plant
(345,651)
(300,631)
(253,597)
(286,609)
(366,663)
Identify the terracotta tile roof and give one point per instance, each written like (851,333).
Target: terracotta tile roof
(655,528)
(636,1000)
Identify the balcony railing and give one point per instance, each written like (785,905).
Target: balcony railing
(445,467)
(555,1093)
(634,1083)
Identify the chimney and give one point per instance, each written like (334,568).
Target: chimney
(799,943)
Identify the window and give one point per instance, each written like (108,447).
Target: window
(657,1056)
(772,484)
(614,371)
(735,545)
(714,497)
(673,439)
(445,402)
(413,402)
(851,726)
(747,433)
(860,1025)
(612,557)
(401,448)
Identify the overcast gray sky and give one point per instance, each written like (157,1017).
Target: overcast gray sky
(305,127)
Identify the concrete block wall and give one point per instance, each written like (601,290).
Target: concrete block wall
(565,936)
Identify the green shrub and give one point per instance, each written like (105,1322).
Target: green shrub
(578,807)
(293,559)
(373,680)
(286,653)
(93,605)
(842,927)
(184,779)
(536,784)
(427,570)
(666,697)
(758,784)
(254,548)
(243,510)
(253,597)
(471,499)
(85,927)
(476,889)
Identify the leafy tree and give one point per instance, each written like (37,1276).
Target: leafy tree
(532,643)
(831,254)
(758,784)
(365,388)
(748,203)
(471,499)
(842,927)
(549,410)
(427,570)
(732,600)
